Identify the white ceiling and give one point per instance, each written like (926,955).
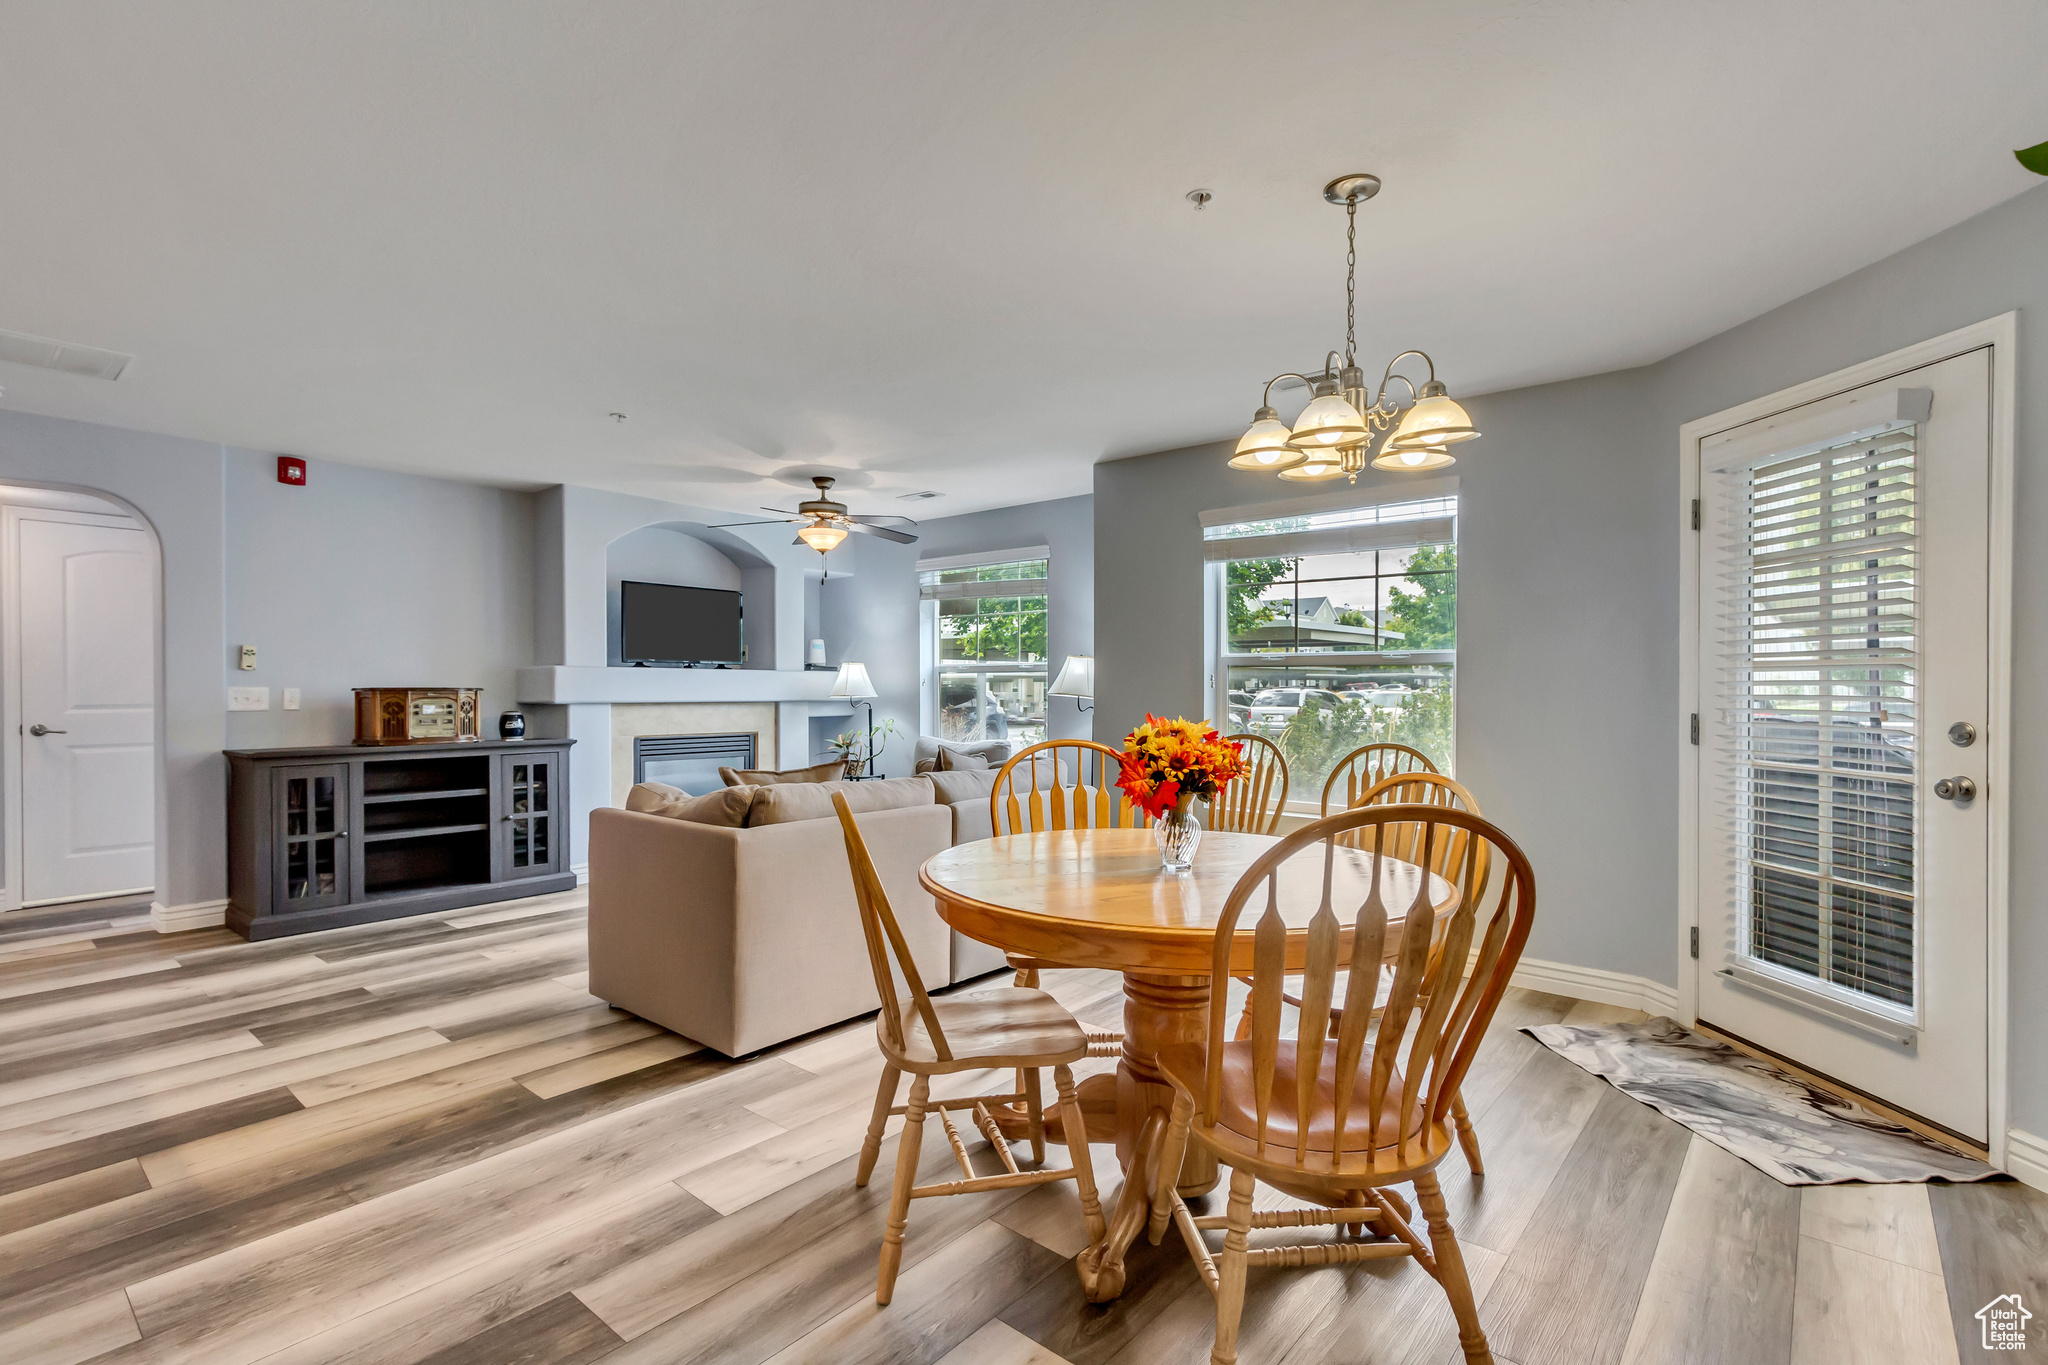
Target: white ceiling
(932,245)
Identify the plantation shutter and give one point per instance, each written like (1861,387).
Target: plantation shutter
(1818,675)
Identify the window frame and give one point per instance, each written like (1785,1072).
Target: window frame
(1216,626)
(933,663)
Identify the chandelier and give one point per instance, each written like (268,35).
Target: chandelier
(1333,437)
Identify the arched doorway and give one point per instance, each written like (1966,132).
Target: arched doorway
(79,669)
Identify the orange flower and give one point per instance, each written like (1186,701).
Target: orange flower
(1166,760)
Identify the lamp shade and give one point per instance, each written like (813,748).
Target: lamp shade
(1412,459)
(1433,421)
(1264,444)
(1076,679)
(821,535)
(1327,423)
(1323,464)
(852,682)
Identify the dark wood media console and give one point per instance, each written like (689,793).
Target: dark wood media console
(319,838)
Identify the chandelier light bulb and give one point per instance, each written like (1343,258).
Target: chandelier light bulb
(1327,423)
(1435,420)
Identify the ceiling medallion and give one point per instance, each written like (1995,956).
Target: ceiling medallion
(1333,436)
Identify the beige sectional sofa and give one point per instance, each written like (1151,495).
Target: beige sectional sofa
(742,937)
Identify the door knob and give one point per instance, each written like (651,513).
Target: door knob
(1956,789)
(40,730)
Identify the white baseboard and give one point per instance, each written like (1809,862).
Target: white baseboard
(176,919)
(582,871)
(1593,983)
(2026,1158)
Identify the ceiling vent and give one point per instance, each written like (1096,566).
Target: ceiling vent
(67,356)
(926,496)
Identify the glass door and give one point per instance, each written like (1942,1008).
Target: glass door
(530,845)
(312,805)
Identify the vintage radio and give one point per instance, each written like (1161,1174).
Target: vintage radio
(418,715)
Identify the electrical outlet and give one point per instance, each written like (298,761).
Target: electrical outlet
(248,699)
(291,699)
(246,661)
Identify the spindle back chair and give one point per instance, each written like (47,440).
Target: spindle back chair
(1335,1120)
(1253,802)
(1047,801)
(1355,773)
(985,1030)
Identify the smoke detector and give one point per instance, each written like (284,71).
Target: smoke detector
(67,356)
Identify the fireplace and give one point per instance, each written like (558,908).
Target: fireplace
(690,762)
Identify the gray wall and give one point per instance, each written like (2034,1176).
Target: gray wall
(1568,647)
(1557,674)
(871,614)
(367,578)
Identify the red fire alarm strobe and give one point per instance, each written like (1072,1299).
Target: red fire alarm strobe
(291,469)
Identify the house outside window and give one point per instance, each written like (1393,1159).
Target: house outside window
(986,622)
(1338,629)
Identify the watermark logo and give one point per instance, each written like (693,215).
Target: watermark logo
(2005,1321)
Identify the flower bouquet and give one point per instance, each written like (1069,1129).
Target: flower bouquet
(1166,765)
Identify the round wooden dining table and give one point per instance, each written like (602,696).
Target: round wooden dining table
(1099,898)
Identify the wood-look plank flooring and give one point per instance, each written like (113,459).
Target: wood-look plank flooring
(422,1143)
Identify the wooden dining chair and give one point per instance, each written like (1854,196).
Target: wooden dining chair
(1048,802)
(1404,842)
(1252,804)
(1358,771)
(1338,1120)
(987,1030)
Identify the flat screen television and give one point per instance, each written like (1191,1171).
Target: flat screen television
(662,623)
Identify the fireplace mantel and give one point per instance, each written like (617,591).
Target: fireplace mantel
(579,685)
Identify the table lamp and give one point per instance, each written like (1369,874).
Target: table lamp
(1076,680)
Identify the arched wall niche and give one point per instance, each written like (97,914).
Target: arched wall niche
(686,554)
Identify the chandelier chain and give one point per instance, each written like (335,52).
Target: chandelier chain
(1350,280)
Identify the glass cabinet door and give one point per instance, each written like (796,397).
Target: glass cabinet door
(312,866)
(531,845)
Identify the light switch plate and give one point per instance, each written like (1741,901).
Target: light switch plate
(248,699)
(291,699)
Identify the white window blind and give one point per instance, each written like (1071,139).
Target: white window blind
(1818,672)
(969,577)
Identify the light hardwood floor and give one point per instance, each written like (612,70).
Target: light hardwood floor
(423,1142)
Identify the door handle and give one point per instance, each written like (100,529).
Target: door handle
(1956,789)
(40,730)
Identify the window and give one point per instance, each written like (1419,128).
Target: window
(986,621)
(1339,628)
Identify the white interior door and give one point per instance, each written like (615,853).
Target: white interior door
(87,594)
(1844,616)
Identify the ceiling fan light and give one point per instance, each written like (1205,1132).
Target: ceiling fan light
(821,535)
(1264,444)
(1412,459)
(1327,423)
(1434,420)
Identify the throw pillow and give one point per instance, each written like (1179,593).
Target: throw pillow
(766,777)
(960,761)
(788,802)
(728,807)
(953,788)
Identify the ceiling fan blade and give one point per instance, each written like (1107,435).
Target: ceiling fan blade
(728,525)
(885,532)
(877,520)
(784,512)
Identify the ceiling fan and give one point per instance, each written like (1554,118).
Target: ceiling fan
(822,523)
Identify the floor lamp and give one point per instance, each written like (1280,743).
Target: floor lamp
(852,685)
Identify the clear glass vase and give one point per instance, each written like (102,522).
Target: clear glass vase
(1178,833)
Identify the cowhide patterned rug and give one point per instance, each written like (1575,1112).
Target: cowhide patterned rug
(1785,1128)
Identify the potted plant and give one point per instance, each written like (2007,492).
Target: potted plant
(859,749)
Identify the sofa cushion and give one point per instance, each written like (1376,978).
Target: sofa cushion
(960,761)
(951,788)
(768,777)
(789,802)
(727,806)
(925,755)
